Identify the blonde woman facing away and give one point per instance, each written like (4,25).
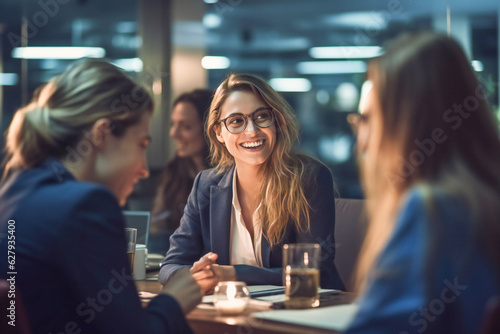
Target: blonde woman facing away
(73,156)
(260,195)
(430,153)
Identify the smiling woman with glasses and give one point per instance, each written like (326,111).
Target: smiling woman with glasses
(260,195)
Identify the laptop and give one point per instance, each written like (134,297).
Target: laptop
(139,220)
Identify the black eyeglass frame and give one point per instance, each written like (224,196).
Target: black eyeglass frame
(245,119)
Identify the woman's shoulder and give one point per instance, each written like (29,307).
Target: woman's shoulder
(214,177)
(39,195)
(424,203)
(54,183)
(78,195)
(314,170)
(311,163)
(427,198)
(316,179)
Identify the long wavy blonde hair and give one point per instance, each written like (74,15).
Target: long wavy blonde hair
(281,189)
(67,106)
(416,84)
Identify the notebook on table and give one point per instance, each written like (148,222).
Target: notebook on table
(337,317)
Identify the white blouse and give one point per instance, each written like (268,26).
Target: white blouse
(242,249)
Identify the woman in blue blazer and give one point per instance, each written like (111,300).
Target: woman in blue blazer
(74,154)
(259,196)
(430,151)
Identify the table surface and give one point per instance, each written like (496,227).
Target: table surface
(205,319)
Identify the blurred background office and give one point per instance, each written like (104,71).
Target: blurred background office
(314,52)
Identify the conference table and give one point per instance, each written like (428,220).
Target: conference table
(205,319)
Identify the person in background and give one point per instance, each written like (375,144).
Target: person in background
(73,156)
(430,155)
(260,195)
(191,157)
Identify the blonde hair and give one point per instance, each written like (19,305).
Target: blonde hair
(67,106)
(418,82)
(281,190)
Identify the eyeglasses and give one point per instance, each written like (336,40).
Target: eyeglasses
(355,120)
(262,117)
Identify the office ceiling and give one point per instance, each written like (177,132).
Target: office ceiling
(258,35)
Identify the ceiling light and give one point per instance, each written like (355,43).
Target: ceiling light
(211,20)
(290,84)
(56,52)
(331,67)
(8,79)
(215,62)
(49,64)
(336,149)
(129,64)
(477,65)
(372,21)
(347,96)
(336,52)
(126,27)
(322,96)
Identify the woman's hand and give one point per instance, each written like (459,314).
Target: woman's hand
(208,274)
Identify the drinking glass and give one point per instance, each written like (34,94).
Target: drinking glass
(301,263)
(131,237)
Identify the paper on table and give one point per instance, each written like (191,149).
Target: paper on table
(207,299)
(147,295)
(251,288)
(252,303)
(337,317)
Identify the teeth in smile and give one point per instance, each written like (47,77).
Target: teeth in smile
(254,144)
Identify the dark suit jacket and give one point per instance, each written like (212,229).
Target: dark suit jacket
(70,257)
(205,227)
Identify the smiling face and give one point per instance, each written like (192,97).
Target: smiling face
(187,130)
(254,145)
(122,160)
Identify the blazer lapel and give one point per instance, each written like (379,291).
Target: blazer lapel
(265,252)
(220,217)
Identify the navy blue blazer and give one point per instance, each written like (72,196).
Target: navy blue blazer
(70,257)
(205,227)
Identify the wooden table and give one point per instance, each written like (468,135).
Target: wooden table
(205,319)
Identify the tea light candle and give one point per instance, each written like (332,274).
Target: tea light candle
(231,306)
(231,298)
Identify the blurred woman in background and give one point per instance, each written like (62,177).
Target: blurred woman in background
(73,156)
(191,157)
(260,195)
(430,156)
